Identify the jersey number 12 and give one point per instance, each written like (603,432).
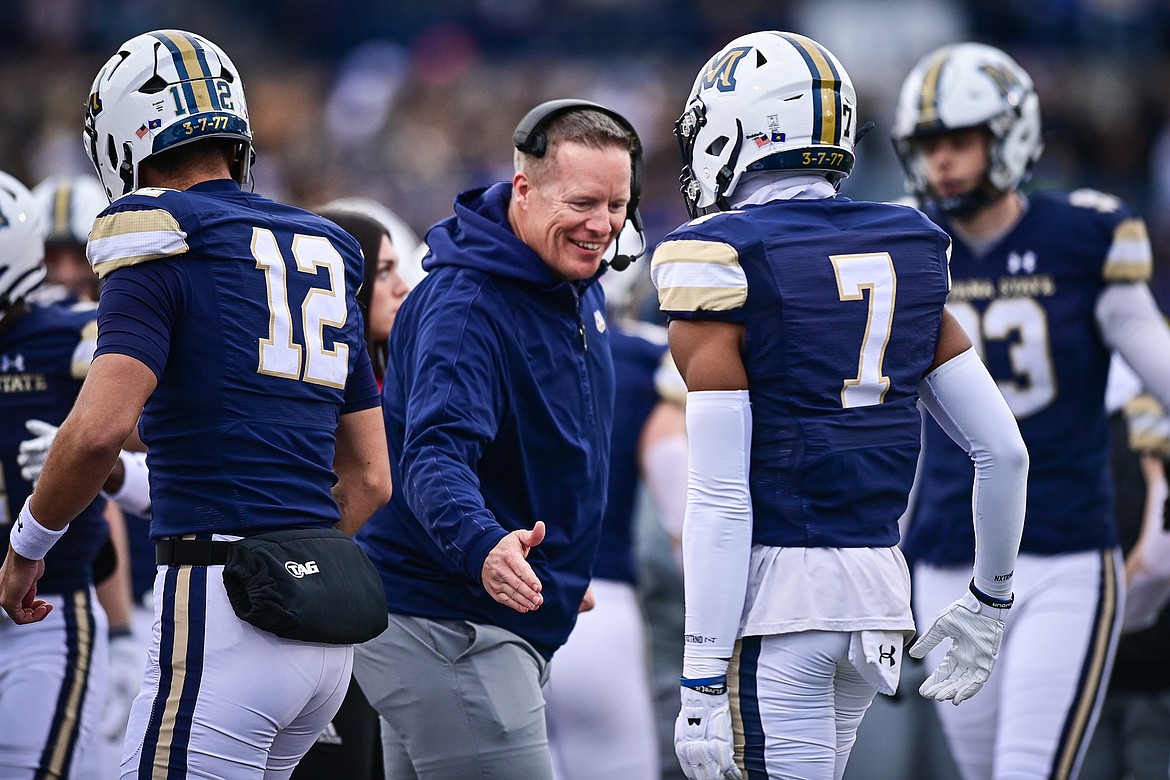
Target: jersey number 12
(280,353)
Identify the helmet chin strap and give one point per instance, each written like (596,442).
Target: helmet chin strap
(970,203)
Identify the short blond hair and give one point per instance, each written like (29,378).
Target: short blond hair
(585,126)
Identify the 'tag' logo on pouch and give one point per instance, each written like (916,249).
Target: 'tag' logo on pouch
(299,570)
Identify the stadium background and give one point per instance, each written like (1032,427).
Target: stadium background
(411,101)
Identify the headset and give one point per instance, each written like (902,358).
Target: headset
(529,137)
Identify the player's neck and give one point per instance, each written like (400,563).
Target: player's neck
(992,221)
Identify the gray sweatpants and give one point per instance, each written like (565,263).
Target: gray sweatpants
(458,700)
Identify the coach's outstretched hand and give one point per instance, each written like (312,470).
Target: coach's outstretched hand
(975,630)
(506,573)
(702,732)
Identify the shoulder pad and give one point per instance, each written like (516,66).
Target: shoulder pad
(1086,198)
(83,352)
(691,275)
(1130,258)
(136,233)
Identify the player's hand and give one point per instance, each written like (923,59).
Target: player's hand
(33,452)
(702,732)
(18,589)
(126,672)
(975,630)
(1148,426)
(506,574)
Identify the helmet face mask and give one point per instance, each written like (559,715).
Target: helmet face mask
(22,247)
(768,101)
(161,90)
(963,86)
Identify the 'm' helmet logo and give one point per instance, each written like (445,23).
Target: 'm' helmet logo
(721,72)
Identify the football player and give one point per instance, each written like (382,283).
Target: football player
(600,710)
(52,675)
(808,327)
(1046,285)
(69,205)
(230,323)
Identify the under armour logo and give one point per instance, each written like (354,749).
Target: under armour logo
(19,524)
(1025,262)
(884,655)
(12,363)
(694,721)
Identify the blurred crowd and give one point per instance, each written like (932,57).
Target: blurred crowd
(411,101)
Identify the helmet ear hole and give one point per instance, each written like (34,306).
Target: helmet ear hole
(716,147)
(155,85)
(112,151)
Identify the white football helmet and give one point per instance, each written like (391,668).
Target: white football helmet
(161,90)
(766,101)
(22,247)
(69,205)
(969,85)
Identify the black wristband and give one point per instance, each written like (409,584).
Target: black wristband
(992,601)
(118,633)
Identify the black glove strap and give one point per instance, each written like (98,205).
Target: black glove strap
(992,601)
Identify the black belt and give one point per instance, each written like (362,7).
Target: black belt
(190,552)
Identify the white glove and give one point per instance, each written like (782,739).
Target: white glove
(702,733)
(975,629)
(126,672)
(1148,426)
(33,451)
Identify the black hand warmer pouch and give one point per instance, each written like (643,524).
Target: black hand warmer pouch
(308,584)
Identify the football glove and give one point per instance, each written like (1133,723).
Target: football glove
(974,624)
(1148,426)
(33,451)
(126,672)
(702,733)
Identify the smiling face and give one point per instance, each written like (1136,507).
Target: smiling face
(572,209)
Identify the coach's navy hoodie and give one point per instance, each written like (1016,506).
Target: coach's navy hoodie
(498,402)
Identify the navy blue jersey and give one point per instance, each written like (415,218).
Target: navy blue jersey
(245,309)
(635,362)
(44,356)
(842,304)
(1028,305)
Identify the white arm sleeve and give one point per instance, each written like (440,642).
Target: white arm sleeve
(961,395)
(1131,324)
(134,495)
(717,531)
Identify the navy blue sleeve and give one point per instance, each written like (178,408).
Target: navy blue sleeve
(454,405)
(361,390)
(137,310)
